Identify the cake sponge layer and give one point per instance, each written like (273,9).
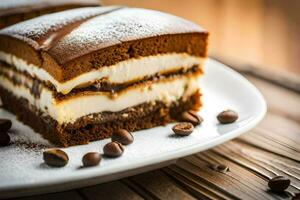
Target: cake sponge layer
(70,43)
(135,118)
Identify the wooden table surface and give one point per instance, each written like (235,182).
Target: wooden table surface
(270,149)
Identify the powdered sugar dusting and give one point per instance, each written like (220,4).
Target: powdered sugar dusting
(22,135)
(39,27)
(26,146)
(119,26)
(108,26)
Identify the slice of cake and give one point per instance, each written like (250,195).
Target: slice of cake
(14,11)
(78,75)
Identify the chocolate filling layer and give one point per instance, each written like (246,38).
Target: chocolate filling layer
(98,86)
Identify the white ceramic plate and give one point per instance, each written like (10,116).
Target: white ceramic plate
(22,171)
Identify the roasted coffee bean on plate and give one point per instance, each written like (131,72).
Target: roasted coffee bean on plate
(192,117)
(122,136)
(183,128)
(4,139)
(5,125)
(113,149)
(55,157)
(91,159)
(227,116)
(279,183)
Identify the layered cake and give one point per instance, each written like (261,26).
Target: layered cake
(14,11)
(78,75)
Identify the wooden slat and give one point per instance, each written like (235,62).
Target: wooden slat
(280,101)
(281,127)
(138,189)
(262,163)
(194,185)
(237,183)
(73,195)
(112,190)
(270,146)
(281,78)
(284,139)
(160,186)
(276,134)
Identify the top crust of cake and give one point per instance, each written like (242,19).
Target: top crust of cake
(72,42)
(12,7)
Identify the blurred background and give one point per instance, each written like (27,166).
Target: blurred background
(264,33)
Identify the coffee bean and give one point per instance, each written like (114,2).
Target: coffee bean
(183,129)
(4,139)
(192,117)
(227,116)
(113,149)
(5,125)
(91,159)
(122,136)
(220,168)
(279,183)
(55,157)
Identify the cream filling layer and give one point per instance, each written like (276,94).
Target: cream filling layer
(122,72)
(68,110)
